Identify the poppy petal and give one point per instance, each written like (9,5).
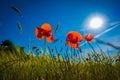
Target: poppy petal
(73,45)
(38,33)
(89,37)
(50,38)
(68,42)
(74,36)
(70,36)
(46,27)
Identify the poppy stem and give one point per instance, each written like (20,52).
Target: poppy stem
(95,54)
(45,45)
(92,47)
(109,44)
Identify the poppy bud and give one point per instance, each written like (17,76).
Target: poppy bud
(88,37)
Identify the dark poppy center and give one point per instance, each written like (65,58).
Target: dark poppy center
(74,40)
(47,33)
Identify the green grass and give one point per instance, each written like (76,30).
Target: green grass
(15,64)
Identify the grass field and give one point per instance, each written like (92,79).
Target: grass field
(16,64)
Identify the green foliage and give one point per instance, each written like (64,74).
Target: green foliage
(17,65)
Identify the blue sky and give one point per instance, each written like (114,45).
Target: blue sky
(71,14)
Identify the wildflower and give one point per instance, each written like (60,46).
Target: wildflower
(88,37)
(73,39)
(44,31)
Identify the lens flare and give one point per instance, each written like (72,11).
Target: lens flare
(96,22)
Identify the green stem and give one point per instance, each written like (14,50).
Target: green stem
(94,52)
(92,47)
(45,45)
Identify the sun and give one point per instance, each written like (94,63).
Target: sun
(96,22)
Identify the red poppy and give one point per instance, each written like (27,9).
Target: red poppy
(44,31)
(88,37)
(73,39)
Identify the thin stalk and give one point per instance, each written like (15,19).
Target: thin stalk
(95,55)
(109,44)
(92,47)
(45,44)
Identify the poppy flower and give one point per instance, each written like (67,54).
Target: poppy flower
(73,39)
(88,37)
(44,31)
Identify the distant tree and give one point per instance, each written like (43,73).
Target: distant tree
(7,46)
(6,43)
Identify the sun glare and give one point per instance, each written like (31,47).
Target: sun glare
(96,22)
